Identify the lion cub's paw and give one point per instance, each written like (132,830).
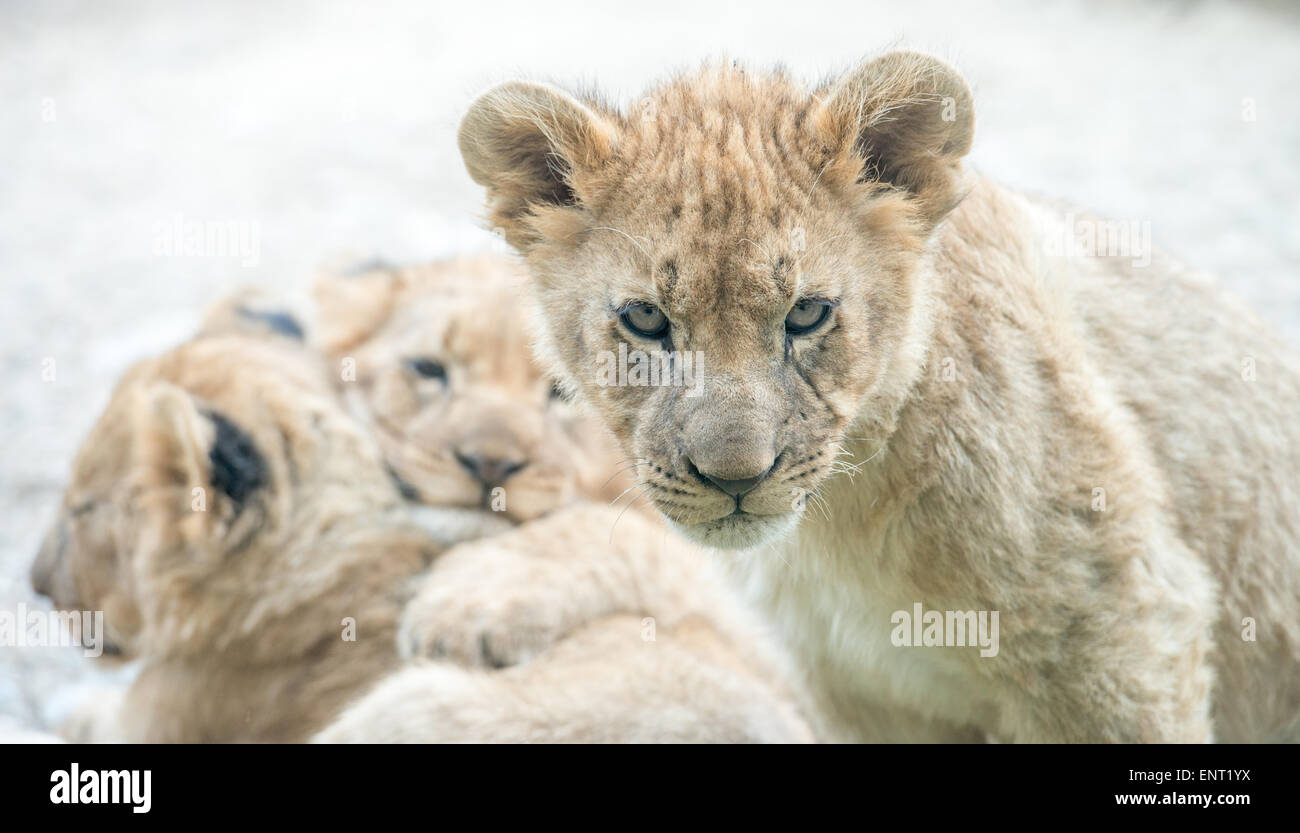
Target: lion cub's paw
(477,631)
(495,608)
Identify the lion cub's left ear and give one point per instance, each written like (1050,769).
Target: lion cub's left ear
(196,467)
(171,438)
(905,119)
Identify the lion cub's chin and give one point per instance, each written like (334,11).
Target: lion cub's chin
(740,532)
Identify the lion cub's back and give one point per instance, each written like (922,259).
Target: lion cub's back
(1215,395)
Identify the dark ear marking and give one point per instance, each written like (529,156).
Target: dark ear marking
(407,491)
(279,322)
(238,468)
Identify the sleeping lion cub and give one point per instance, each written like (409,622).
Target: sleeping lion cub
(437,363)
(1097,455)
(231,520)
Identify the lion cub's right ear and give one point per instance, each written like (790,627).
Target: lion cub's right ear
(529,145)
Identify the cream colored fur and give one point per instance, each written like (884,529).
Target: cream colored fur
(493,403)
(239,606)
(604,683)
(1106,454)
(228,516)
(542,593)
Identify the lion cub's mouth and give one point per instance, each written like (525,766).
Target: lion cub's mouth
(739,530)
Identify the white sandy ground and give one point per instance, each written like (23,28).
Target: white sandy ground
(329,127)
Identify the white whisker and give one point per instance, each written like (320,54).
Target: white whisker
(630,504)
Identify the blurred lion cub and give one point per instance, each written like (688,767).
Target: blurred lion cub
(232,521)
(436,361)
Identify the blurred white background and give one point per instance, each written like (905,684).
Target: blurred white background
(329,128)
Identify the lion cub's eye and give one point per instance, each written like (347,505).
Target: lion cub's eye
(645,320)
(427,368)
(557,393)
(806,316)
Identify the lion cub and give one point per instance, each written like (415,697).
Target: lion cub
(1103,451)
(243,538)
(435,359)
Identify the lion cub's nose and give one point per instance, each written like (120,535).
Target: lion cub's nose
(41,576)
(734,486)
(490,471)
(42,570)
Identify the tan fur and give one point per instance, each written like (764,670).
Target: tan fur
(508,599)
(604,684)
(237,609)
(495,403)
(254,312)
(233,650)
(951,422)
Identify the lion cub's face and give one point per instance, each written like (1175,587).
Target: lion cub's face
(445,376)
(180,499)
(84,563)
(771,233)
